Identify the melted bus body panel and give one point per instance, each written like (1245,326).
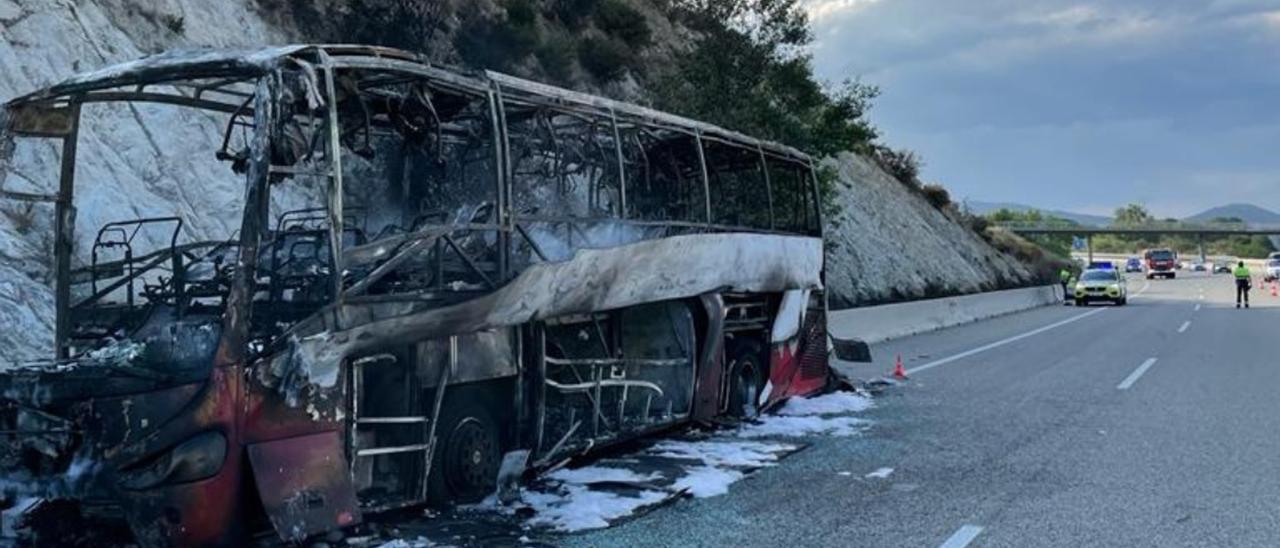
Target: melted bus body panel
(432,269)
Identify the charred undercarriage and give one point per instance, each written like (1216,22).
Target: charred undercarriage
(436,277)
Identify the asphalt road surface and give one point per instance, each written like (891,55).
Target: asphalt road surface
(1153,424)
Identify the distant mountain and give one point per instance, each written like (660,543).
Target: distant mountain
(1248,213)
(983,208)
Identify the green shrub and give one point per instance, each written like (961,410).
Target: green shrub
(556,55)
(605,58)
(476,43)
(176,24)
(503,43)
(936,195)
(903,165)
(978,224)
(619,20)
(521,28)
(573,12)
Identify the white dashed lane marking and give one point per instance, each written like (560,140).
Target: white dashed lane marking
(1133,377)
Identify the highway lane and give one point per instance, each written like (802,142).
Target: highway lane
(1048,439)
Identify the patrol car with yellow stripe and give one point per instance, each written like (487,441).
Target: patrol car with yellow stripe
(1101,283)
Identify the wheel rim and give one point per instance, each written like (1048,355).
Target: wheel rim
(469,459)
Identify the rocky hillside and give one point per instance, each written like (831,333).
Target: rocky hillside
(127,168)
(889,244)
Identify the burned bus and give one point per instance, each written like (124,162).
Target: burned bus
(436,274)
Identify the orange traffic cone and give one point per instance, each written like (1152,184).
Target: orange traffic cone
(898,371)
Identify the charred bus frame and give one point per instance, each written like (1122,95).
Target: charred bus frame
(547,271)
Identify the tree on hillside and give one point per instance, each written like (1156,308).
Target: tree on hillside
(1132,215)
(1029,217)
(1057,244)
(748,71)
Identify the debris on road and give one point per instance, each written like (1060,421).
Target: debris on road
(880,473)
(613,489)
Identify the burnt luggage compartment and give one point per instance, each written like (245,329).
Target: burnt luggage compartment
(438,278)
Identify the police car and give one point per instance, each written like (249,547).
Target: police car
(1101,282)
(1272,272)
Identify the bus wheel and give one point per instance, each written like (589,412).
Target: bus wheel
(746,381)
(464,468)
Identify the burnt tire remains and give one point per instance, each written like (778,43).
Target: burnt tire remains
(464,468)
(746,378)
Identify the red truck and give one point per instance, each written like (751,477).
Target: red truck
(1159,262)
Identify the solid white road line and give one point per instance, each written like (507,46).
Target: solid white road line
(962,537)
(1184,327)
(1014,338)
(1133,377)
(1003,342)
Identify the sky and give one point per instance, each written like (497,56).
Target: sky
(1083,106)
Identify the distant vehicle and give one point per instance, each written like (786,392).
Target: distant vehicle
(1159,262)
(1101,284)
(1273,255)
(1223,266)
(1133,264)
(1199,266)
(1272,272)
(1182,265)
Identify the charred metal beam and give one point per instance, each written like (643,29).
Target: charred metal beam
(622,170)
(595,362)
(410,251)
(64,234)
(540,376)
(537,250)
(125,280)
(768,185)
(235,323)
(161,98)
(556,219)
(28,196)
(503,172)
(584,387)
(816,202)
(335,177)
(706,179)
(469,262)
(441,386)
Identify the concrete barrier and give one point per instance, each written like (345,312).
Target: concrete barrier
(874,324)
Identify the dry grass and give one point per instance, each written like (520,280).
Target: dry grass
(1043,265)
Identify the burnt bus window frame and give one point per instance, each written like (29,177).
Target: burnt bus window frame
(283,89)
(250,88)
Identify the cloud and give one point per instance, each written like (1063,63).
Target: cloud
(1072,103)
(822,10)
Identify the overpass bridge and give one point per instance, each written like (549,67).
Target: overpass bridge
(1198,230)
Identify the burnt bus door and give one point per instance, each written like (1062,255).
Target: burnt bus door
(611,376)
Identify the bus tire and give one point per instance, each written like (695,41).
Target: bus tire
(464,466)
(746,379)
